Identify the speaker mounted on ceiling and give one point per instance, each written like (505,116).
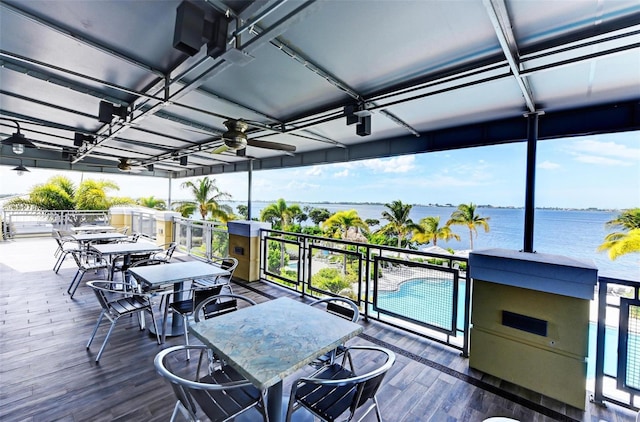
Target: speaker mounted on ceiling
(194,29)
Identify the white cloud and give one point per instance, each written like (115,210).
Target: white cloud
(548,165)
(314,171)
(401,164)
(343,173)
(609,153)
(593,159)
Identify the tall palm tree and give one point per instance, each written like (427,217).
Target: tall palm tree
(399,223)
(280,214)
(466,215)
(207,196)
(431,231)
(152,202)
(340,223)
(628,239)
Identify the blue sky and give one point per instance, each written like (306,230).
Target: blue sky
(601,171)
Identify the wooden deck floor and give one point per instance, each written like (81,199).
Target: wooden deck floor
(46,373)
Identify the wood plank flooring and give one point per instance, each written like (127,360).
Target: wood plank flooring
(47,374)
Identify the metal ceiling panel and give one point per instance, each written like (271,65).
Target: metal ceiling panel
(455,73)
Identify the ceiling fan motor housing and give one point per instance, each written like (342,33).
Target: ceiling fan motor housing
(234,137)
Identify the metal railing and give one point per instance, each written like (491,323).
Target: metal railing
(423,293)
(27,222)
(204,239)
(144,222)
(618,333)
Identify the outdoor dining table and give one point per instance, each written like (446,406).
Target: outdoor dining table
(272,340)
(124,249)
(158,276)
(97,237)
(93,228)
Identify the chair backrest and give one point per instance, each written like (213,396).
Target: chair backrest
(211,389)
(219,305)
(336,380)
(123,230)
(339,306)
(199,295)
(106,295)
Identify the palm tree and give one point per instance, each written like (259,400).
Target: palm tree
(398,219)
(92,195)
(152,202)
(58,193)
(280,214)
(466,215)
(625,241)
(206,195)
(431,231)
(340,223)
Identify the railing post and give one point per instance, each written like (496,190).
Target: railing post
(598,396)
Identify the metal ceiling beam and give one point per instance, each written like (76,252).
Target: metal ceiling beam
(607,118)
(499,18)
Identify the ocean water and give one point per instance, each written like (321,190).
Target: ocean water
(572,233)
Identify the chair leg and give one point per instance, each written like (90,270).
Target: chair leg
(185,326)
(95,330)
(73,282)
(155,325)
(106,339)
(81,273)
(57,265)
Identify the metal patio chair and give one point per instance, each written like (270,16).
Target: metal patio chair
(118,303)
(335,390)
(344,308)
(220,393)
(230,264)
(86,261)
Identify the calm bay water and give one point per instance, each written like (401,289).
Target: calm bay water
(576,234)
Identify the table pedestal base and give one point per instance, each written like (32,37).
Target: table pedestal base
(174,328)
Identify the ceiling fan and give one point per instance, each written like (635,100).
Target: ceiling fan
(235,139)
(125,165)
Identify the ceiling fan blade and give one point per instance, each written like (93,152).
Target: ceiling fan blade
(271,145)
(222,148)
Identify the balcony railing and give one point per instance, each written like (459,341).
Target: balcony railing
(204,239)
(424,293)
(28,222)
(618,333)
(429,295)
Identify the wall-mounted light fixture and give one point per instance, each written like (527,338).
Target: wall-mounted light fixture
(184,160)
(17,141)
(20,169)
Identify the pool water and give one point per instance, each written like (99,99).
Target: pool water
(409,301)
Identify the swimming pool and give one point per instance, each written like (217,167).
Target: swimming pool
(409,300)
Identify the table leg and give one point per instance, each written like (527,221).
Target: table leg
(274,402)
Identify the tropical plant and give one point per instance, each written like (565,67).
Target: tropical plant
(338,224)
(628,239)
(330,279)
(243,210)
(207,196)
(279,214)
(152,202)
(60,193)
(430,231)
(318,215)
(466,215)
(399,224)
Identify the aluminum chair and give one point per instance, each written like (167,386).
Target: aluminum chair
(343,308)
(66,245)
(335,390)
(86,261)
(230,264)
(169,249)
(118,303)
(221,393)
